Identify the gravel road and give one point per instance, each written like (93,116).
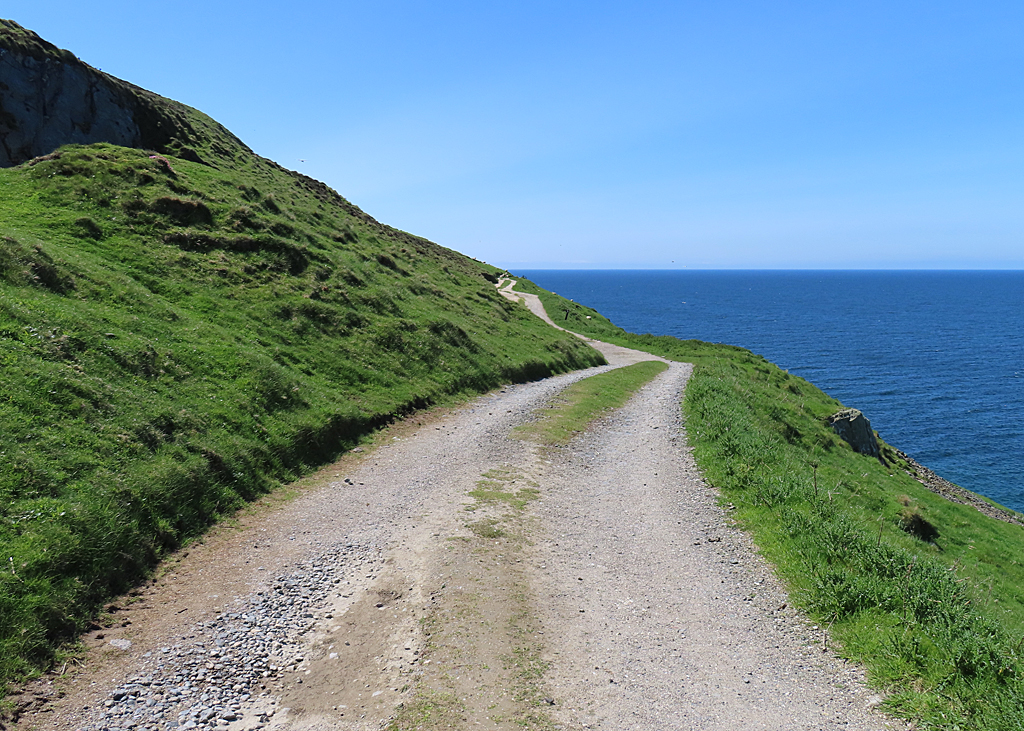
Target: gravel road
(225,637)
(315,612)
(665,615)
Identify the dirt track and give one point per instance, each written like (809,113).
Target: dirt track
(609,591)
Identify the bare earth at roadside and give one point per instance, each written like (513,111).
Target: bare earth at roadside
(602,588)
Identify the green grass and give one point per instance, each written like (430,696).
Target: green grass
(176,339)
(505,486)
(939,626)
(587,400)
(429,709)
(180,332)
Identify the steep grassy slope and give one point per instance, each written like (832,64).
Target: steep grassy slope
(937,620)
(175,339)
(184,326)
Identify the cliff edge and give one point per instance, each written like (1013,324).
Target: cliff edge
(49,98)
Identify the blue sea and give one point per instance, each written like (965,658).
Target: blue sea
(934,359)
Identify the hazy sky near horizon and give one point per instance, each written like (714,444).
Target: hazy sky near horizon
(612,135)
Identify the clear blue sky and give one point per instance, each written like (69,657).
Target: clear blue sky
(597,134)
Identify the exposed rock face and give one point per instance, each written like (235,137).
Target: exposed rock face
(855,429)
(45,104)
(49,98)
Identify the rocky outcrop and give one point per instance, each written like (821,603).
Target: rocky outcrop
(47,103)
(855,429)
(49,98)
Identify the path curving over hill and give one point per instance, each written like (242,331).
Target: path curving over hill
(615,354)
(602,588)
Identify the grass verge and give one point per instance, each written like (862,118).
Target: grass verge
(587,400)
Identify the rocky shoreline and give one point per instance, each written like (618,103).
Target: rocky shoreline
(956,494)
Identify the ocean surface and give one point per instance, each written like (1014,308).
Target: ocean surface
(934,359)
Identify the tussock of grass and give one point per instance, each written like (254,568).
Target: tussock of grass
(587,400)
(504,486)
(491,492)
(177,338)
(429,709)
(487,528)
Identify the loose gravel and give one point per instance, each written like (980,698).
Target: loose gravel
(266,593)
(212,678)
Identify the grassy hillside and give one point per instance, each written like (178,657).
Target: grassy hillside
(176,338)
(183,327)
(937,621)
